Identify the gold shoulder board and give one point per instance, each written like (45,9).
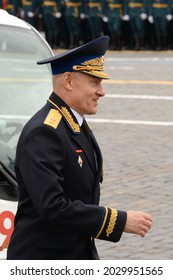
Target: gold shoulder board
(53,118)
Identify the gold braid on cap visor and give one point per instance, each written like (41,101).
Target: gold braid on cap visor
(93,67)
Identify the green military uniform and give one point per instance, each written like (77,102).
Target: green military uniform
(17,7)
(113,10)
(85,34)
(51,10)
(159,9)
(27,12)
(36,14)
(136,9)
(62,28)
(10,7)
(170,29)
(72,11)
(94,12)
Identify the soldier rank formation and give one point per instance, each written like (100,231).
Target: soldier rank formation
(131,25)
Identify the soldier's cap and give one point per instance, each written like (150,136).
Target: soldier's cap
(88,59)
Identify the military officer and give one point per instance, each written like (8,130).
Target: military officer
(27,13)
(85,32)
(72,12)
(136,12)
(52,13)
(170,29)
(94,12)
(160,13)
(112,13)
(17,8)
(9,6)
(59,168)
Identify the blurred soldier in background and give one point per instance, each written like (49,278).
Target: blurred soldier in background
(36,14)
(51,12)
(160,13)
(85,32)
(94,11)
(63,36)
(17,7)
(112,14)
(9,6)
(131,24)
(72,11)
(135,11)
(149,33)
(27,14)
(170,29)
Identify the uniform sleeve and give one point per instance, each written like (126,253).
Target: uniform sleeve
(170,6)
(112,225)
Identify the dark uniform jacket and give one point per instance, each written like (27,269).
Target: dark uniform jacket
(58,214)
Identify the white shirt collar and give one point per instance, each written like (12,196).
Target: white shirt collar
(78,117)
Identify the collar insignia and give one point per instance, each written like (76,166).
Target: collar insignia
(70,120)
(68,117)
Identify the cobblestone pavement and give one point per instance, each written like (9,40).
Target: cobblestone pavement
(138,157)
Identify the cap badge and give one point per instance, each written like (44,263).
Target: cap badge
(93,66)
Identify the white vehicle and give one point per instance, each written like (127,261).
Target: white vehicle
(24,88)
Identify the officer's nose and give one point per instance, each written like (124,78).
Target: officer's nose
(101,91)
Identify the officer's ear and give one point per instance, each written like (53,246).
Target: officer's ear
(67,80)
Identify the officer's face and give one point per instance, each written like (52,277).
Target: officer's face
(86,93)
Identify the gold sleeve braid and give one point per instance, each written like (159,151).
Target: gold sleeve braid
(112,222)
(109,223)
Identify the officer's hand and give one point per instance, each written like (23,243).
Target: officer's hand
(151,19)
(82,16)
(138,223)
(126,18)
(169,17)
(105,19)
(30,14)
(58,15)
(143,16)
(22,13)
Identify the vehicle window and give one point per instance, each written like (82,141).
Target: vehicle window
(21,79)
(24,85)
(7,192)
(8,184)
